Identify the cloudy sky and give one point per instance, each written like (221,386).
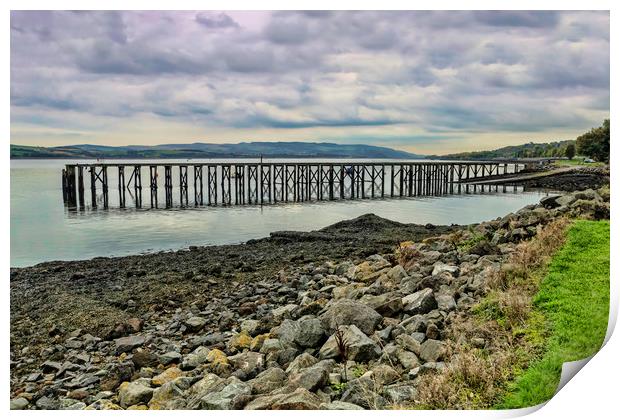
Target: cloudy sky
(428,82)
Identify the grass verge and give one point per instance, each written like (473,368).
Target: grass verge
(574,300)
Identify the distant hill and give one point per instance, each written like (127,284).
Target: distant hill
(209,150)
(528,150)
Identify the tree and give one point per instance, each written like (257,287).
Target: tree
(570,151)
(595,143)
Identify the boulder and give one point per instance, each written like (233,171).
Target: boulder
(550,202)
(167,375)
(169,396)
(339,405)
(132,393)
(445,303)
(432,350)
(218,361)
(208,384)
(385,375)
(420,302)
(195,358)
(360,348)
(313,377)
(398,394)
(240,341)
(408,343)
(440,267)
(301,399)
(284,311)
(249,362)
(396,273)
(195,323)
(302,361)
(222,400)
(407,359)
(267,381)
(19,403)
(310,332)
(144,358)
(127,344)
(251,326)
(170,357)
(362,391)
(349,312)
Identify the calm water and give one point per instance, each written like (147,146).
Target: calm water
(42,229)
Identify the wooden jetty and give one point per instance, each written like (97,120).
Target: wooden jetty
(241,183)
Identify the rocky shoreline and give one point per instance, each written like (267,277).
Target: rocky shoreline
(341,318)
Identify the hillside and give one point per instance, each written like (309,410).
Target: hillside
(528,150)
(209,150)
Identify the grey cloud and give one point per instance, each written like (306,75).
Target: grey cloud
(287,31)
(219,20)
(533,19)
(433,70)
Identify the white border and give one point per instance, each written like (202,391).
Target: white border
(592,394)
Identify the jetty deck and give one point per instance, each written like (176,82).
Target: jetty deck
(209,183)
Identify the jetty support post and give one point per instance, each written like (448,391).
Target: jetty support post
(121,186)
(104,182)
(153,185)
(81,186)
(137,184)
(183,185)
(93,186)
(70,176)
(168,185)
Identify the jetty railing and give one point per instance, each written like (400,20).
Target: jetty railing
(241,183)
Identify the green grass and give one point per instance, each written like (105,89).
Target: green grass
(574,301)
(576,162)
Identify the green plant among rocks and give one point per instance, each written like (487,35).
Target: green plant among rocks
(343,349)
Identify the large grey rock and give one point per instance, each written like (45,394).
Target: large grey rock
(301,399)
(359,347)
(420,302)
(127,344)
(397,273)
(132,393)
(445,303)
(408,343)
(208,384)
(339,405)
(302,361)
(398,394)
(19,403)
(169,396)
(440,267)
(284,311)
(566,200)
(195,323)
(407,359)
(251,326)
(170,357)
(287,331)
(268,380)
(195,358)
(310,333)
(47,403)
(71,404)
(432,350)
(221,400)
(363,392)
(313,377)
(384,375)
(250,362)
(349,312)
